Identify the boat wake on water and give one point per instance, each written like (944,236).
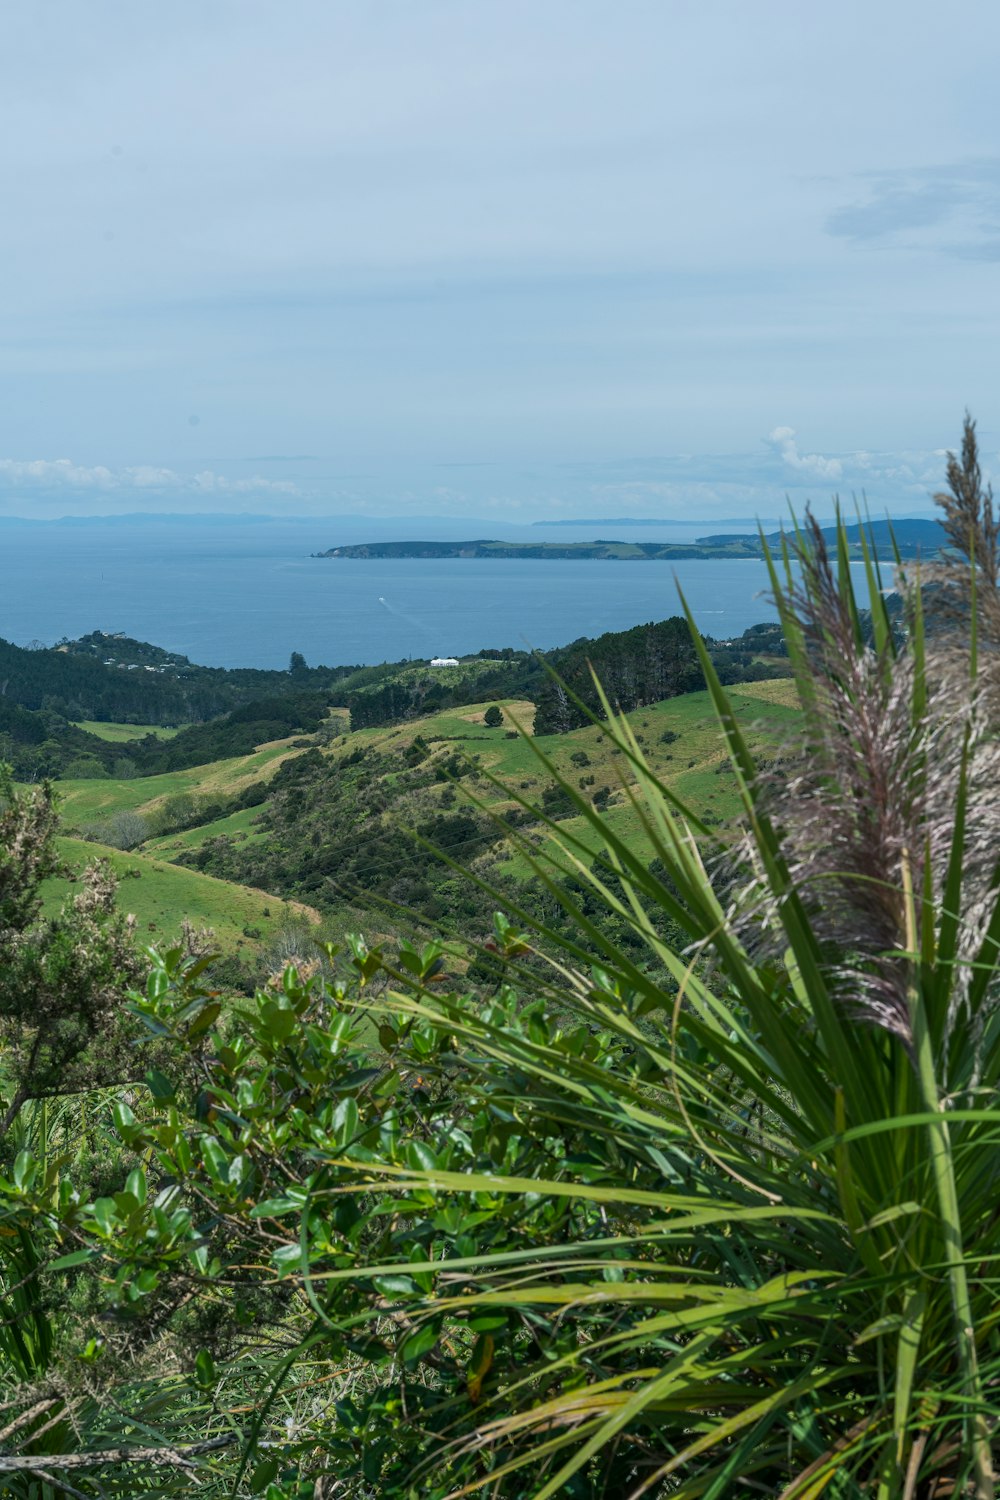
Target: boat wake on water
(413,623)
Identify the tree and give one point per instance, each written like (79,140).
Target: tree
(124,829)
(296,662)
(493,717)
(63,978)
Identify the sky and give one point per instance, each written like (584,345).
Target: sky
(494,258)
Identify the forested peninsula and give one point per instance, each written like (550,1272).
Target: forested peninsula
(910,538)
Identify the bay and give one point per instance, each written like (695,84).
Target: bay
(249,594)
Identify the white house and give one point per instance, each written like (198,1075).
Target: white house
(444,661)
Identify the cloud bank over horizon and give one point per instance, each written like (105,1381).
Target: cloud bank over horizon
(685,487)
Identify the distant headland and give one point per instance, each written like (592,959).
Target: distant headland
(912,538)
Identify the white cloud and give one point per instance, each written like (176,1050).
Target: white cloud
(782,439)
(59,471)
(211,483)
(63,473)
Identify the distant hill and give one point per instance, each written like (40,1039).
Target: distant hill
(120,680)
(913,538)
(648,521)
(910,536)
(600,550)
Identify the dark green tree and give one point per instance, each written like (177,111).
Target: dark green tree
(63,978)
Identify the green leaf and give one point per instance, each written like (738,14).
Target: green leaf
(263,1474)
(104,1213)
(421,1341)
(419,1156)
(274,1208)
(159,1086)
(344,1124)
(75,1258)
(395,1286)
(25,1170)
(215,1159)
(286,1259)
(135,1184)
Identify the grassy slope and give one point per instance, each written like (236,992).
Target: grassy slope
(120,734)
(164,894)
(238,825)
(465,674)
(84,802)
(693,764)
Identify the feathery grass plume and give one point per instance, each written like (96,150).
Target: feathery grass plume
(968,520)
(865,798)
(960,587)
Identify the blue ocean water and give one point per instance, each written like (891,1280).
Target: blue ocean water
(249,594)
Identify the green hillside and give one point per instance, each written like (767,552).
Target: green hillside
(87,801)
(240,825)
(690,717)
(679,737)
(329,822)
(162,895)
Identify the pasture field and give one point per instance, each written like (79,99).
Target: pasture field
(161,895)
(695,765)
(238,825)
(121,734)
(87,801)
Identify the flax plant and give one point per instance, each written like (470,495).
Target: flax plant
(787,1283)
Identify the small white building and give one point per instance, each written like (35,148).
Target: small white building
(444,661)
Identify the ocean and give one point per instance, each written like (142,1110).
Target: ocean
(249,593)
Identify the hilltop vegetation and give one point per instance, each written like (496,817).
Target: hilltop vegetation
(334,819)
(315,794)
(609,551)
(52,701)
(642,665)
(120,680)
(124,734)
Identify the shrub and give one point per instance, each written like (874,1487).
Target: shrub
(84,768)
(123,830)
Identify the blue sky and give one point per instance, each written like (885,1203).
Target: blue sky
(494,258)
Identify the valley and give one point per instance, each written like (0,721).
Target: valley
(327,837)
